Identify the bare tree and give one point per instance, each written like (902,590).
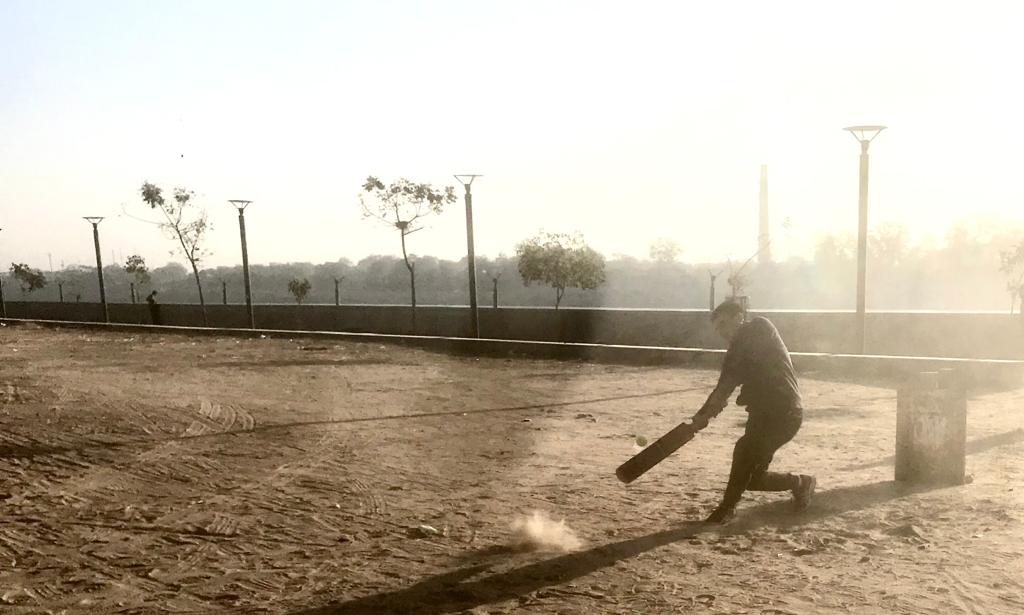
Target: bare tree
(737,280)
(404,205)
(185,222)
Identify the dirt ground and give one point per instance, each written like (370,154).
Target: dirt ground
(153,473)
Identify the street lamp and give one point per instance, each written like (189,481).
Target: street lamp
(95,222)
(466,180)
(864,135)
(240,205)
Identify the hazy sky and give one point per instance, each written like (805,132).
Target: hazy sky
(625,121)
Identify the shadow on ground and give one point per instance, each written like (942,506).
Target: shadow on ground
(973,447)
(473,585)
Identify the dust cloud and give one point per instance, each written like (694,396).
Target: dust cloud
(538,531)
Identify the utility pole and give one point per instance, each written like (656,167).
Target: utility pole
(864,135)
(95,222)
(240,205)
(466,180)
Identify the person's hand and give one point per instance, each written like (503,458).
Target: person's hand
(699,421)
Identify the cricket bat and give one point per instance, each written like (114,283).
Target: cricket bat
(656,452)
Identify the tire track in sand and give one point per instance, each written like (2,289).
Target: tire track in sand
(963,594)
(102,491)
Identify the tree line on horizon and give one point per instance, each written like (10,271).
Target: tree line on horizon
(966,273)
(973,270)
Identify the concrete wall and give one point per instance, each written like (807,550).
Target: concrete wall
(994,336)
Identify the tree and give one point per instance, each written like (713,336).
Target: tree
(664,250)
(187,223)
(29,279)
(171,272)
(835,250)
(73,278)
(299,288)
(561,261)
(403,205)
(1012,264)
(136,267)
(888,245)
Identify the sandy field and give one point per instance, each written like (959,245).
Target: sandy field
(158,473)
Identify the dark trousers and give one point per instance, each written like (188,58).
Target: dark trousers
(766,432)
(154,314)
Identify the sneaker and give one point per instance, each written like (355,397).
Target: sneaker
(803,492)
(721,515)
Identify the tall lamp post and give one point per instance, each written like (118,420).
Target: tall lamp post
(466,180)
(95,222)
(864,135)
(240,205)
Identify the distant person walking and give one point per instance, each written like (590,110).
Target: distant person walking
(154,308)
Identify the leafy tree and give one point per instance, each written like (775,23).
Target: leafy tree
(299,289)
(29,279)
(74,278)
(136,267)
(187,223)
(664,250)
(404,205)
(560,261)
(835,250)
(171,272)
(888,245)
(1012,264)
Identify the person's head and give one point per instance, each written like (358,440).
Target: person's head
(727,318)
